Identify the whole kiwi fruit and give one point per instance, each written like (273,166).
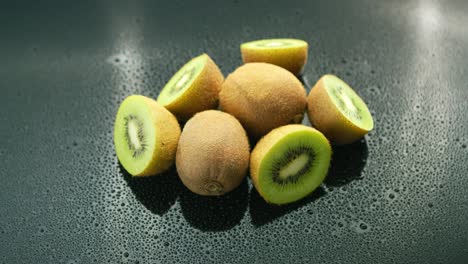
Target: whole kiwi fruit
(263,96)
(213,153)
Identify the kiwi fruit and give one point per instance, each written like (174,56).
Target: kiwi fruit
(289,163)
(194,88)
(213,153)
(263,96)
(145,136)
(337,111)
(290,54)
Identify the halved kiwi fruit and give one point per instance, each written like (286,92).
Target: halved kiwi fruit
(213,153)
(290,54)
(263,96)
(194,88)
(289,163)
(145,136)
(337,111)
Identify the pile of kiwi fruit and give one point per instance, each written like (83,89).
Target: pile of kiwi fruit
(218,130)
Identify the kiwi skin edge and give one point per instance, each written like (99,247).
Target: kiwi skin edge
(203,93)
(168,131)
(326,117)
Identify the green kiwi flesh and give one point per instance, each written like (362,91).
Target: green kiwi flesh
(294,167)
(275,43)
(145,136)
(181,80)
(348,102)
(134,135)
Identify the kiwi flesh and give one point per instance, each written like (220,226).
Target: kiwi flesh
(290,54)
(194,88)
(145,136)
(213,153)
(337,111)
(263,96)
(289,163)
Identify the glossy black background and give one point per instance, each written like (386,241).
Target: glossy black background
(399,196)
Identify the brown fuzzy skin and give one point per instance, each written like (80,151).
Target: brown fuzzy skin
(263,96)
(213,153)
(292,59)
(167,138)
(201,95)
(327,118)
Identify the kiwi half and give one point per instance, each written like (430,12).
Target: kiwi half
(194,88)
(263,96)
(337,111)
(290,54)
(289,163)
(213,153)
(145,136)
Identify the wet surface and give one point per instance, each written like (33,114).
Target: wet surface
(398,196)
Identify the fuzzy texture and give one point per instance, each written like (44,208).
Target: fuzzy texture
(202,94)
(262,97)
(326,117)
(167,137)
(291,58)
(213,153)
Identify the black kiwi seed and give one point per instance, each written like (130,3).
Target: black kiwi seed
(141,137)
(290,156)
(174,89)
(355,113)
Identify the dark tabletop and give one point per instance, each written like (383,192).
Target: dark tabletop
(398,196)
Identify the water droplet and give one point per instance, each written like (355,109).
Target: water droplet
(391,195)
(361,227)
